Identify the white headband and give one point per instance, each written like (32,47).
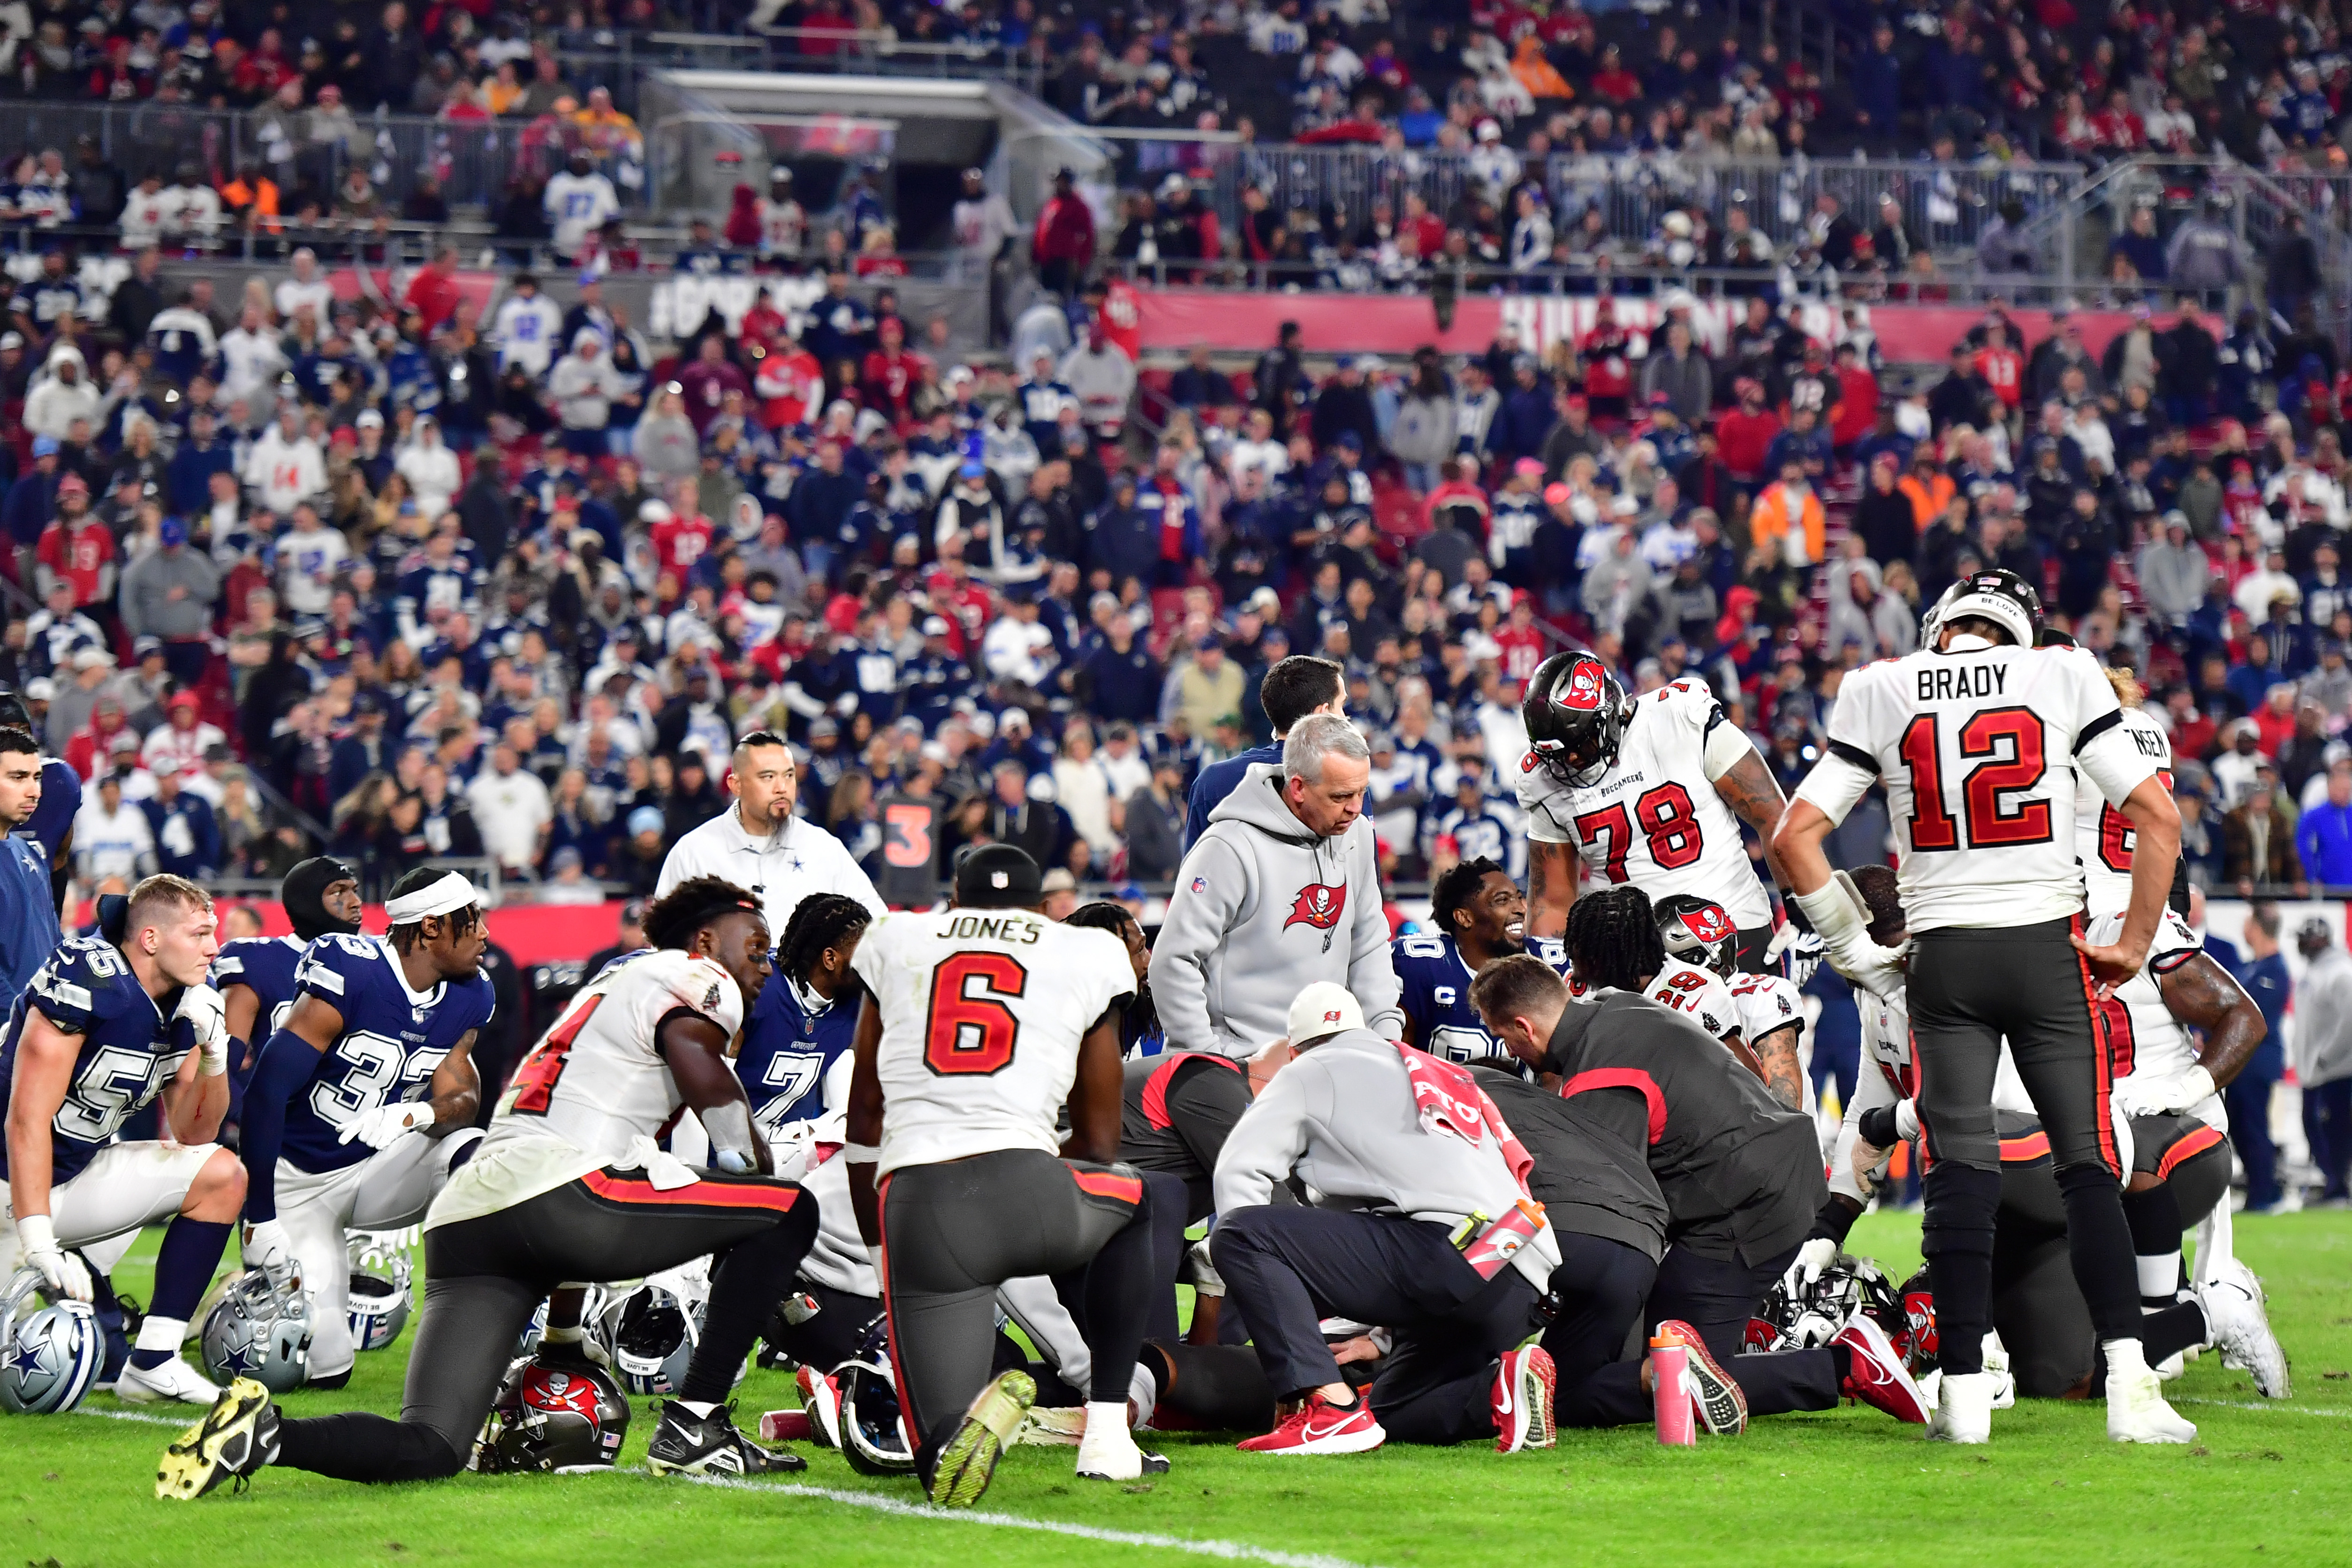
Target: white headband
(454,892)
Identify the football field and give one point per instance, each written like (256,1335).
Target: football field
(2268,1482)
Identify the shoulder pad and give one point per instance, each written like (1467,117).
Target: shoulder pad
(332,966)
(700,984)
(81,985)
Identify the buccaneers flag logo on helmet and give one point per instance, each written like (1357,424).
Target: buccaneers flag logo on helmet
(1580,690)
(1710,925)
(1319,905)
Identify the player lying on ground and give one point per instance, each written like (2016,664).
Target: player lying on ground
(570,1185)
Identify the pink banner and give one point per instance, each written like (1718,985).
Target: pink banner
(530,933)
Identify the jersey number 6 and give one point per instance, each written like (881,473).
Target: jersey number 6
(968,1032)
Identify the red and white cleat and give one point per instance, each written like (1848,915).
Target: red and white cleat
(1878,1376)
(1523,1395)
(1316,1427)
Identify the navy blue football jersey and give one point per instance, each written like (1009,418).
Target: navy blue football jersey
(1436,997)
(131,1047)
(792,1040)
(265,966)
(393,1039)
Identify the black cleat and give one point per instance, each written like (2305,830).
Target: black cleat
(710,1445)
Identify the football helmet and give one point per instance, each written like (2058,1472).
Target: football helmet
(872,1432)
(1919,1341)
(260,1328)
(2001,596)
(1812,1315)
(50,1347)
(1575,713)
(1699,932)
(380,1291)
(653,1330)
(560,1419)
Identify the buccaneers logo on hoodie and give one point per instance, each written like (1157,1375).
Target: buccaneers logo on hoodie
(1319,905)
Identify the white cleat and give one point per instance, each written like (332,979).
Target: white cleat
(2137,1412)
(2232,1302)
(1963,1408)
(176,1380)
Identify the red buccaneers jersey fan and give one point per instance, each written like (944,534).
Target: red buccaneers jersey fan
(1650,791)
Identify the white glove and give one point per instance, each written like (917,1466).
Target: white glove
(202,1005)
(381,1127)
(60,1270)
(267,1245)
(1798,952)
(1840,917)
(2150,1096)
(1812,1257)
(1906,1120)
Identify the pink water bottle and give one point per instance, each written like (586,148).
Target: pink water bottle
(1670,1400)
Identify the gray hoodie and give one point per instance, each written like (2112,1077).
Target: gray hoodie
(1264,908)
(1342,1116)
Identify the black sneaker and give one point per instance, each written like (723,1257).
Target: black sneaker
(691,1444)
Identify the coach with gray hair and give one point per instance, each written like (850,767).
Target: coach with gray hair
(1283,890)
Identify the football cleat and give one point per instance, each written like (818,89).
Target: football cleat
(1996,1366)
(2137,1412)
(2233,1304)
(238,1436)
(691,1444)
(967,1463)
(1963,1408)
(1722,1406)
(1877,1377)
(174,1380)
(1052,1426)
(820,1398)
(1523,1401)
(1319,1427)
(1107,1452)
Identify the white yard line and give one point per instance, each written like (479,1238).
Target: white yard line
(1230,1551)
(2273,1406)
(195,1413)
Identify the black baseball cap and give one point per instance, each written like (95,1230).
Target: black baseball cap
(998,876)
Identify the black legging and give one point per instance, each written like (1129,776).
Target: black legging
(952,1232)
(1600,1288)
(484,1277)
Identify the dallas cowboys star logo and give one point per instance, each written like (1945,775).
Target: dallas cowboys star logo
(244,1361)
(795,862)
(31,1358)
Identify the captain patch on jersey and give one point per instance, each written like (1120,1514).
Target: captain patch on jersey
(1436,997)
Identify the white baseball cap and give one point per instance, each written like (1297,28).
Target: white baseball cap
(1323,1009)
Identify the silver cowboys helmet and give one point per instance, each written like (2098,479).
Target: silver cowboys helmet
(653,1330)
(381,1291)
(561,1420)
(50,1348)
(260,1328)
(873,1430)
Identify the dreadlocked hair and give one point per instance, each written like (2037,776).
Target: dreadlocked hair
(1102,914)
(672,920)
(1457,888)
(1141,1017)
(405,938)
(820,921)
(1613,940)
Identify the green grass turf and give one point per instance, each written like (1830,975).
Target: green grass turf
(2270,1484)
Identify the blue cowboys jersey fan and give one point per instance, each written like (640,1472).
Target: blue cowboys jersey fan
(1436,997)
(131,1047)
(393,1039)
(795,1041)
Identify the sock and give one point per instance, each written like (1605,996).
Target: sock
(1955,1237)
(2166,1333)
(1107,1447)
(159,1340)
(2154,1216)
(2160,1281)
(2099,1245)
(697,1409)
(191,1252)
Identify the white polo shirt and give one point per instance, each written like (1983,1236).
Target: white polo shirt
(783,867)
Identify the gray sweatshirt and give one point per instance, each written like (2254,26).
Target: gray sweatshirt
(1264,908)
(2322,1020)
(1342,1117)
(147,608)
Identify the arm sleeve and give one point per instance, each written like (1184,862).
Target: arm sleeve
(1208,898)
(1205,1103)
(1265,1145)
(287,1062)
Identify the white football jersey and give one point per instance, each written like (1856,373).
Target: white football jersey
(2150,1042)
(1979,749)
(1654,819)
(2104,837)
(1697,994)
(983,1014)
(1885,1079)
(595,1079)
(1765,1004)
